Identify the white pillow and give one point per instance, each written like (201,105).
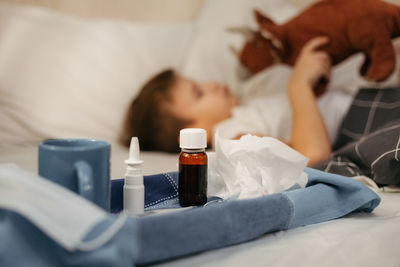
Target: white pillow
(65,76)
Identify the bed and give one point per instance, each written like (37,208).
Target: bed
(66,76)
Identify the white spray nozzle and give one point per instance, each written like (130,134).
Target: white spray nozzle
(134,152)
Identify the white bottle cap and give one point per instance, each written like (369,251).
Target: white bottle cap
(193,138)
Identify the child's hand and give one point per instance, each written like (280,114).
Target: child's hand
(312,64)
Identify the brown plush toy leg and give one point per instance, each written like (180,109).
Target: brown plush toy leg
(380,61)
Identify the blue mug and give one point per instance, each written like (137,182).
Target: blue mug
(81,165)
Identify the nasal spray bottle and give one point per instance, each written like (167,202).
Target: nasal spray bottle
(133,187)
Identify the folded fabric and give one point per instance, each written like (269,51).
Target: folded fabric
(23,243)
(161,191)
(326,197)
(44,224)
(126,241)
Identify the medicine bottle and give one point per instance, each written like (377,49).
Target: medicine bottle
(192,167)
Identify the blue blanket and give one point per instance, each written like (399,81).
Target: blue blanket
(155,238)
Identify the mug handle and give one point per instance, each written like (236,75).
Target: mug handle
(85,179)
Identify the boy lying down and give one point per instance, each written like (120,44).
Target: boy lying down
(170,102)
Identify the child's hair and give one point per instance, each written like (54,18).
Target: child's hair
(149,119)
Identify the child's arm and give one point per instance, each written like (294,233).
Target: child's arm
(309,135)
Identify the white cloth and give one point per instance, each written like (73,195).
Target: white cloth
(59,213)
(272,116)
(266,116)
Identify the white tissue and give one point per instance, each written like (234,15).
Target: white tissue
(253,166)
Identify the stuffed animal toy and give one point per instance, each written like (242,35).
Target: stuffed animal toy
(352,26)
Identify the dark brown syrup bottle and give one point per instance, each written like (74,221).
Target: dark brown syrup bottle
(193,167)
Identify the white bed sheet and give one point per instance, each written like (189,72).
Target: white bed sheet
(359,239)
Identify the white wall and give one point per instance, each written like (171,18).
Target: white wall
(143,10)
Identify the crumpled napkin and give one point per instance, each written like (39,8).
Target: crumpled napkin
(253,166)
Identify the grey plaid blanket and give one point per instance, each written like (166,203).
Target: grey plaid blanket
(368,142)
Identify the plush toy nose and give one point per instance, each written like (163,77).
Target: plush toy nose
(243,73)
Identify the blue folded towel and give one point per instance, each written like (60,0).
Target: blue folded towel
(154,238)
(326,197)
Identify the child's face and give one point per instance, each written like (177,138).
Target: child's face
(206,104)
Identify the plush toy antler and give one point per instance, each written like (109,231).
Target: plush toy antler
(352,26)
